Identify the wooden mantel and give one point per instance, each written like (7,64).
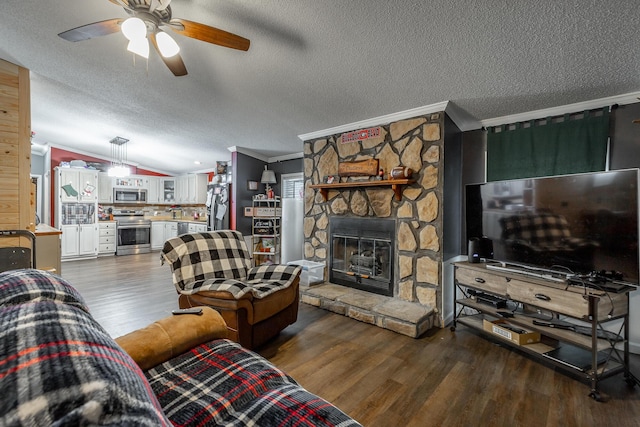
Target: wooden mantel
(395,184)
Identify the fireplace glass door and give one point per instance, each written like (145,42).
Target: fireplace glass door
(365,262)
(362,253)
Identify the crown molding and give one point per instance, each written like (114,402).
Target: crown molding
(251,153)
(377,121)
(624,99)
(286,157)
(466,122)
(461,117)
(248,152)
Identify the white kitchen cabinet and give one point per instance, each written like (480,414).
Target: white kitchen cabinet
(198,189)
(88,239)
(105,188)
(187,189)
(197,228)
(157,234)
(161,231)
(70,241)
(79,240)
(191,189)
(153,193)
(107,238)
(170,230)
(182,189)
(168,188)
(77,185)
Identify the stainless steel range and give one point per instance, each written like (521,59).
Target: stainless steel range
(133,232)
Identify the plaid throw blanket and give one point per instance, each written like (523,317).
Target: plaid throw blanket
(58,366)
(219,261)
(221,383)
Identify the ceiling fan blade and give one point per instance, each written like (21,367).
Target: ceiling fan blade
(158,5)
(174,63)
(209,34)
(164,4)
(90,31)
(123,3)
(636,121)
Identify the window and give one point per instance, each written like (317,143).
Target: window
(292,186)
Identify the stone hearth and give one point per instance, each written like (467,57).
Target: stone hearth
(417,143)
(404,317)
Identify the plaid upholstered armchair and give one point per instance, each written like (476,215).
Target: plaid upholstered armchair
(214,269)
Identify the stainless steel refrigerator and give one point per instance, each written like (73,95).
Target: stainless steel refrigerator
(292,229)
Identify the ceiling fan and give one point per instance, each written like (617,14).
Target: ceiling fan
(146,18)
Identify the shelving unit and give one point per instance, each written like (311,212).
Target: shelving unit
(524,302)
(266,231)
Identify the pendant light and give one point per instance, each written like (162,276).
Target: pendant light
(118,168)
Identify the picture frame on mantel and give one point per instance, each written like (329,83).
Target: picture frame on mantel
(252,185)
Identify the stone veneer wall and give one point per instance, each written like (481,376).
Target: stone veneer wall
(416,143)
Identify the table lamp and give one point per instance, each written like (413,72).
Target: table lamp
(268,177)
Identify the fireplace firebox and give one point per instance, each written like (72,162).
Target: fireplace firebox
(361,254)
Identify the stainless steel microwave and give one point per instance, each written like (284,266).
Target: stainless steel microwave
(129,196)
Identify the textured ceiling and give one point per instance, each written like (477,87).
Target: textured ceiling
(312,65)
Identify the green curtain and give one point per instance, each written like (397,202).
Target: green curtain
(569,146)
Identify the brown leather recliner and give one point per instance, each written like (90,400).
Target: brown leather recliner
(214,269)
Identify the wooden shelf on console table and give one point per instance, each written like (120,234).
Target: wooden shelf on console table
(395,184)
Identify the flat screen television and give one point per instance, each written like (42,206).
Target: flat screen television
(578,224)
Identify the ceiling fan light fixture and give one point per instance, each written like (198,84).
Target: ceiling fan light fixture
(167,45)
(143,26)
(139,46)
(134,28)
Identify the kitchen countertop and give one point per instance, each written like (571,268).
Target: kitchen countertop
(45,230)
(171,219)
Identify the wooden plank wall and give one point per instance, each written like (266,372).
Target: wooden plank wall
(17,204)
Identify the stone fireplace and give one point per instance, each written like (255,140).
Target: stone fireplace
(411,300)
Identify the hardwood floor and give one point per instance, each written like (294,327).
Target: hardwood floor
(124,293)
(377,376)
